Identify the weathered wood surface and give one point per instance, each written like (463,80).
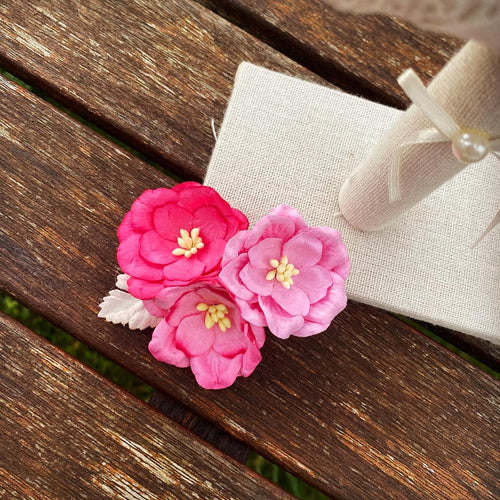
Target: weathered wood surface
(155,73)
(480,349)
(69,433)
(200,426)
(362,54)
(370,409)
(152,73)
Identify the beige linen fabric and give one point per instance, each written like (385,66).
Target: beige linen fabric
(284,140)
(468,89)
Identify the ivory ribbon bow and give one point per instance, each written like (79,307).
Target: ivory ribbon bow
(475,142)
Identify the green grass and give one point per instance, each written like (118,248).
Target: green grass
(284,479)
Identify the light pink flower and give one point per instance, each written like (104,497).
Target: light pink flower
(175,236)
(285,275)
(202,328)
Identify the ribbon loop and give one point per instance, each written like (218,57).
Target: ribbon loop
(467,145)
(419,95)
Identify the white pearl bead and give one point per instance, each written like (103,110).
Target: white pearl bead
(470,146)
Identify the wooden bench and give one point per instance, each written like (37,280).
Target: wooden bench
(370,409)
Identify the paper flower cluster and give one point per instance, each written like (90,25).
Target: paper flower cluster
(209,286)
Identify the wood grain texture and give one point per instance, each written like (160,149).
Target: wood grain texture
(69,433)
(369,409)
(200,426)
(480,349)
(153,73)
(361,54)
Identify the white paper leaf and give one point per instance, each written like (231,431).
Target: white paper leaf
(120,307)
(121,282)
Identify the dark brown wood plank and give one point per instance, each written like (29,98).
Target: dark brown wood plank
(69,433)
(200,426)
(153,73)
(370,409)
(482,350)
(362,54)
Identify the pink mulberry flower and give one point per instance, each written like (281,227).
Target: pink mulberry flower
(285,275)
(202,328)
(175,236)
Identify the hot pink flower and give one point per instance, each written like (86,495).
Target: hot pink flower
(286,275)
(202,328)
(175,236)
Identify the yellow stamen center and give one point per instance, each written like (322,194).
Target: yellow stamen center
(282,271)
(189,244)
(216,315)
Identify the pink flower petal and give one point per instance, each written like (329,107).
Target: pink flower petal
(183,270)
(315,281)
(311,328)
(211,222)
(162,346)
(271,226)
(193,337)
(157,197)
(251,359)
(261,253)
(211,254)
(343,269)
(170,219)
(144,289)
(241,220)
(125,229)
(234,246)
(213,371)
(231,342)
(290,213)
(279,322)
(251,312)
(282,222)
(195,196)
(214,294)
(334,256)
(229,276)
(255,280)
(293,300)
(183,186)
(153,308)
(334,302)
(131,262)
(258,333)
(166,298)
(185,306)
(199,197)
(303,250)
(235,219)
(142,216)
(157,250)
